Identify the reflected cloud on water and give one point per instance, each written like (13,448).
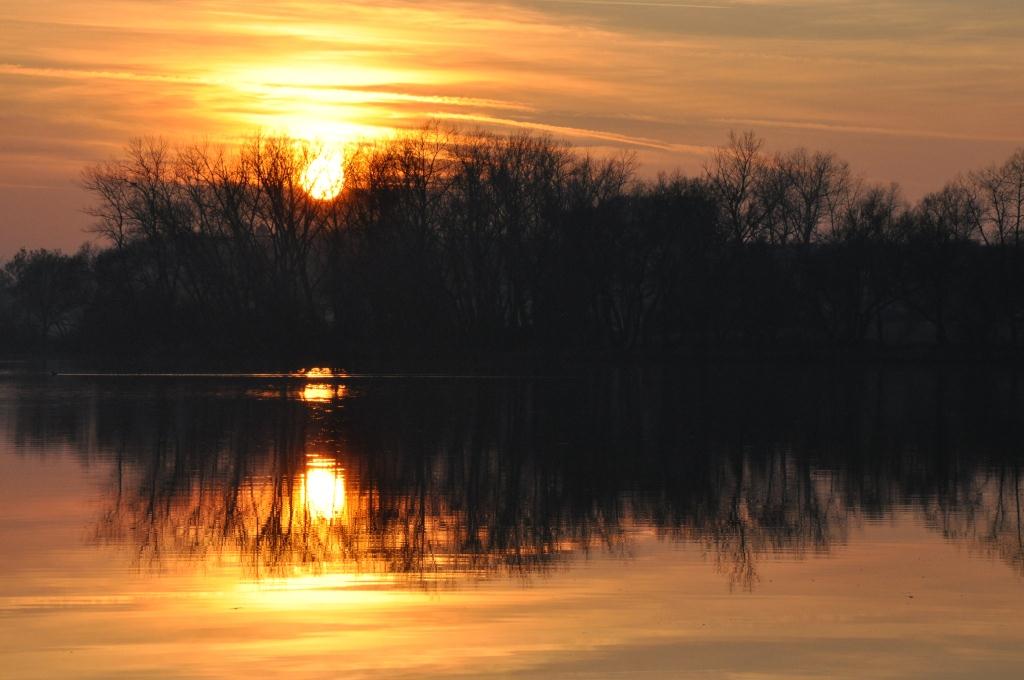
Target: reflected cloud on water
(433,481)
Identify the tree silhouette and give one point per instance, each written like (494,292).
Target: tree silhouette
(446,242)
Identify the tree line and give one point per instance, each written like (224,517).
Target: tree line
(445,242)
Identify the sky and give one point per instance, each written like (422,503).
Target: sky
(912,91)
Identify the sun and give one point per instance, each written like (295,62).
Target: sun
(324,177)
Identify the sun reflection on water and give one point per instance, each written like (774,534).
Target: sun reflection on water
(322,492)
(322,392)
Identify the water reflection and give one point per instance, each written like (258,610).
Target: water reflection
(322,392)
(434,480)
(323,489)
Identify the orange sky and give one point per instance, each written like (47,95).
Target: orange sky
(907,90)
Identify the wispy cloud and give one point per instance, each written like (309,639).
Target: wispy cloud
(573,132)
(913,133)
(640,3)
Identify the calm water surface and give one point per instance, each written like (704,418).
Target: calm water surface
(741,521)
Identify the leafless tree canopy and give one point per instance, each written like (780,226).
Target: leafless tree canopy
(448,241)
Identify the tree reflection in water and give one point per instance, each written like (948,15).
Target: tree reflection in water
(431,480)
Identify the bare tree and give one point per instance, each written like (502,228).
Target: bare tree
(813,191)
(1001,190)
(734,174)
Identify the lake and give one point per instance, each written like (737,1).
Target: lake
(735,520)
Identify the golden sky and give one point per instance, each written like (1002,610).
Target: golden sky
(908,90)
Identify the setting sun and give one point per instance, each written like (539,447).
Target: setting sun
(324,177)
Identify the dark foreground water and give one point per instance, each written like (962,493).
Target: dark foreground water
(741,521)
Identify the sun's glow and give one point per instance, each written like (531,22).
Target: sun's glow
(324,176)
